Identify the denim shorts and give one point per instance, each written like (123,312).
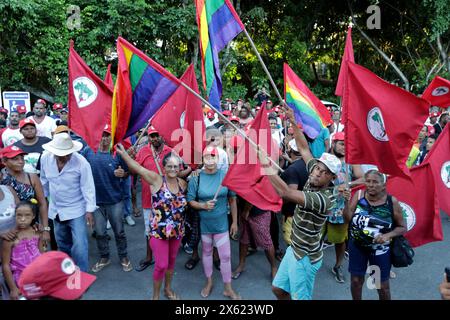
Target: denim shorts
(360,257)
(296,276)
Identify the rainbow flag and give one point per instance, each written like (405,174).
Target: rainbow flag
(142,87)
(218,23)
(308,109)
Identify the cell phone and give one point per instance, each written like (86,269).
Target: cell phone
(447,273)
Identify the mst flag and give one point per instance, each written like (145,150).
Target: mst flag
(218,24)
(348,56)
(89,101)
(438,92)
(439,161)
(182,116)
(245,175)
(418,201)
(108,78)
(381,121)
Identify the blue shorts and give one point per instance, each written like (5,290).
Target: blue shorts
(359,257)
(296,276)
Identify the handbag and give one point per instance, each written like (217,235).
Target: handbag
(402,253)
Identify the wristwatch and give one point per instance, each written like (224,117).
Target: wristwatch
(46,229)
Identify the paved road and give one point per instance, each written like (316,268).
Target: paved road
(417,282)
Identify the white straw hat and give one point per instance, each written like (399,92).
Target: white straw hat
(62,145)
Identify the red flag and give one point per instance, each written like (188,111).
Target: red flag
(182,116)
(438,92)
(89,101)
(381,121)
(439,160)
(246,176)
(348,56)
(108,78)
(418,201)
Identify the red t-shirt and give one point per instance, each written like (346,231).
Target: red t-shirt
(145,158)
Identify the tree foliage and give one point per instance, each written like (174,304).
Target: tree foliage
(308,35)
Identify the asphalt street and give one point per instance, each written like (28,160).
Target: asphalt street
(419,281)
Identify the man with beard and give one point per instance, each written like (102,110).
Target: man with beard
(151,157)
(336,229)
(32,145)
(45,125)
(11,134)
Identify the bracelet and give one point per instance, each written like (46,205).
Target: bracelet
(46,229)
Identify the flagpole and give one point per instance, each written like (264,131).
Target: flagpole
(242,133)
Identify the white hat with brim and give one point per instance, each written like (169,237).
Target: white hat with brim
(62,145)
(331,162)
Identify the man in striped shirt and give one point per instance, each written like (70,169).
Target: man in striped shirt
(297,271)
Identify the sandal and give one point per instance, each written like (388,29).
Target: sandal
(126,266)
(236,275)
(234,296)
(100,265)
(191,263)
(172,296)
(144,265)
(137,213)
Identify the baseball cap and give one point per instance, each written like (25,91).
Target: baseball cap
(210,151)
(54,274)
(11,151)
(152,129)
(3,110)
(293,145)
(331,162)
(57,106)
(339,136)
(210,115)
(434,114)
(234,118)
(41,101)
(21,109)
(62,128)
(107,128)
(65,110)
(226,113)
(25,122)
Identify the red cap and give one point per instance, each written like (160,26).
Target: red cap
(42,101)
(234,118)
(258,107)
(11,151)
(3,110)
(25,122)
(211,151)
(276,109)
(107,128)
(54,274)
(57,106)
(152,129)
(21,109)
(339,136)
(226,113)
(434,114)
(210,114)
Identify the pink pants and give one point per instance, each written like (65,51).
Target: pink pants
(165,253)
(222,241)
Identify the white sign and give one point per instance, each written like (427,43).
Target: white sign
(12,99)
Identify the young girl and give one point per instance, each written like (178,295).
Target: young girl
(18,254)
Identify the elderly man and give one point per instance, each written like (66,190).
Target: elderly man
(45,125)
(67,178)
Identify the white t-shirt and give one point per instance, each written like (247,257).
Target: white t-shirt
(46,127)
(10,136)
(223,159)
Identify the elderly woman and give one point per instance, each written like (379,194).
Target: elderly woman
(167,217)
(211,199)
(27,185)
(375,218)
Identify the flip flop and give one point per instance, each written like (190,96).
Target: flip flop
(191,263)
(144,265)
(127,267)
(206,295)
(236,275)
(100,265)
(236,297)
(172,296)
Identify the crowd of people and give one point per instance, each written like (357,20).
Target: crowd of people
(54,188)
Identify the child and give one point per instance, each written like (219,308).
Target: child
(18,254)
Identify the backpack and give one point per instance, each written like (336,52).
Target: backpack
(401,252)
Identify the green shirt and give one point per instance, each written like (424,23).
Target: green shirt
(309,219)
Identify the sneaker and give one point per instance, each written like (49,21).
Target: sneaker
(108,225)
(130,221)
(338,274)
(188,249)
